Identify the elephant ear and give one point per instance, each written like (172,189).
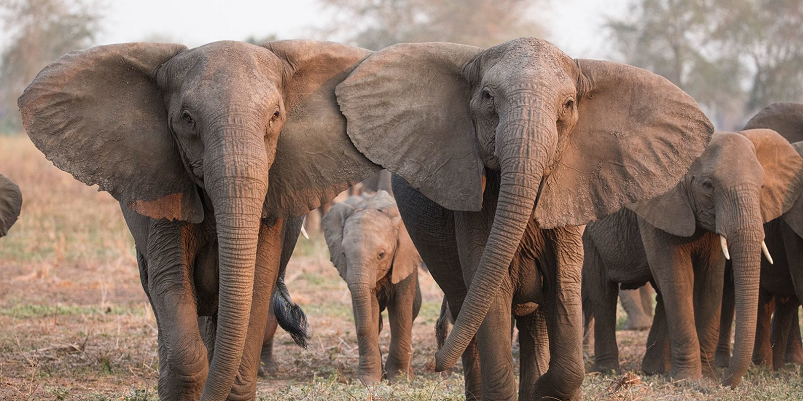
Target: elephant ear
(783,172)
(794,216)
(636,136)
(315,160)
(668,212)
(98,114)
(10,204)
(332,224)
(406,258)
(408,109)
(784,118)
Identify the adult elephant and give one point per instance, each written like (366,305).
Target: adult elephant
(680,241)
(779,280)
(189,140)
(500,155)
(10,204)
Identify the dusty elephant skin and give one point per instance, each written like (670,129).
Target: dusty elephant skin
(189,140)
(10,204)
(781,281)
(680,241)
(476,137)
(373,253)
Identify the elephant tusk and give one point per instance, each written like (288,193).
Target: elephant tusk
(766,252)
(724,243)
(304,230)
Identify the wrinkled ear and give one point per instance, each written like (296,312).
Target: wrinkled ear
(408,109)
(315,160)
(406,259)
(10,204)
(333,223)
(98,114)
(783,172)
(783,118)
(668,212)
(636,136)
(794,216)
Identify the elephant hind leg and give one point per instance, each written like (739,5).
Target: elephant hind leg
(785,312)
(794,348)
(599,303)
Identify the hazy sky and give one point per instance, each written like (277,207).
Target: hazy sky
(573,24)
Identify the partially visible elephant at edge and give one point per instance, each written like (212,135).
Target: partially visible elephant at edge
(373,253)
(680,241)
(475,137)
(190,140)
(10,204)
(781,281)
(637,304)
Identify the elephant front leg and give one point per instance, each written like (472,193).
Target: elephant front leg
(495,349)
(534,351)
(267,364)
(785,311)
(722,357)
(708,281)
(265,274)
(401,314)
(562,266)
(657,357)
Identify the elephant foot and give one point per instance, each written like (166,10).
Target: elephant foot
(370,379)
(653,367)
(400,376)
(687,374)
(722,358)
(267,367)
(605,367)
(640,324)
(794,357)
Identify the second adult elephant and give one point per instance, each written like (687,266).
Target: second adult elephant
(10,204)
(499,155)
(373,253)
(680,241)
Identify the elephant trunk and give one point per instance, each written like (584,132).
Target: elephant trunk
(741,224)
(363,301)
(236,179)
(526,138)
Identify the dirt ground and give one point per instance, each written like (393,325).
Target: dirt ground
(75,323)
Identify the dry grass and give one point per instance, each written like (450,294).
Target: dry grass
(76,324)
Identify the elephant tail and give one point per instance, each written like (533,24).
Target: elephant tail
(289,315)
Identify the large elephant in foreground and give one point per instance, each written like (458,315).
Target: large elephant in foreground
(10,204)
(680,241)
(208,150)
(500,155)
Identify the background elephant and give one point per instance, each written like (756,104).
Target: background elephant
(638,306)
(373,253)
(476,136)
(779,281)
(10,204)
(677,241)
(188,141)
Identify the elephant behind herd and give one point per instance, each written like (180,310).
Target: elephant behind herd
(499,157)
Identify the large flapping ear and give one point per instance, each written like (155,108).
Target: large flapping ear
(98,114)
(668,212)
(783,118)
(783,172)
(10,204)
(408,109)
(794,216)
(635,137)
(333,223)
(315,160)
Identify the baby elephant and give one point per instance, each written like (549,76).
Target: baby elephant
(372,251)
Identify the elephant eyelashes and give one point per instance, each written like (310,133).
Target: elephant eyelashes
(569,105)
(187,118)
(486,95)
(275,116)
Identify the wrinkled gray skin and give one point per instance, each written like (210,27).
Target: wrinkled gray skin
(781,282)
(10,204)
(738,183)
(189,139)
(476,137)
(373,253)
(638,306)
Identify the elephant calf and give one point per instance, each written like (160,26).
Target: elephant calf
(10,204)
(372,251)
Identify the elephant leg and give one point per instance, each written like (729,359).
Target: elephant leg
(207,325)
(646,295)
(637,319)
(562,262)
(183,363)
(601,296)
(794,348)
(793,245)
(401,313)
(722,357)
(267,364)
(267,270)
(708,281)
(657,357)
(779,333)
(498,381)
(762,350)
(533,351)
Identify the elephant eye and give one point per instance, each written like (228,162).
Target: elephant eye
(381,255)
(708,185)
(486,95)
(185,115)
(569,104)
(276,115)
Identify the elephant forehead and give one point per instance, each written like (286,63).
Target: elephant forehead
(368,225)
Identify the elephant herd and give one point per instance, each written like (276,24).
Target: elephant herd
(532,186)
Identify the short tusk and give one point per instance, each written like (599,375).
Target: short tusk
(304,230)
(766,252)
(724,243)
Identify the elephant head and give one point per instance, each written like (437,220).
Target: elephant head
(367,243)
(573,140)
(10,204)
(741,181)
(155,124)
(783,118)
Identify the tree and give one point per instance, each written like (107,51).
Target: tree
(40,31)
(374,24)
